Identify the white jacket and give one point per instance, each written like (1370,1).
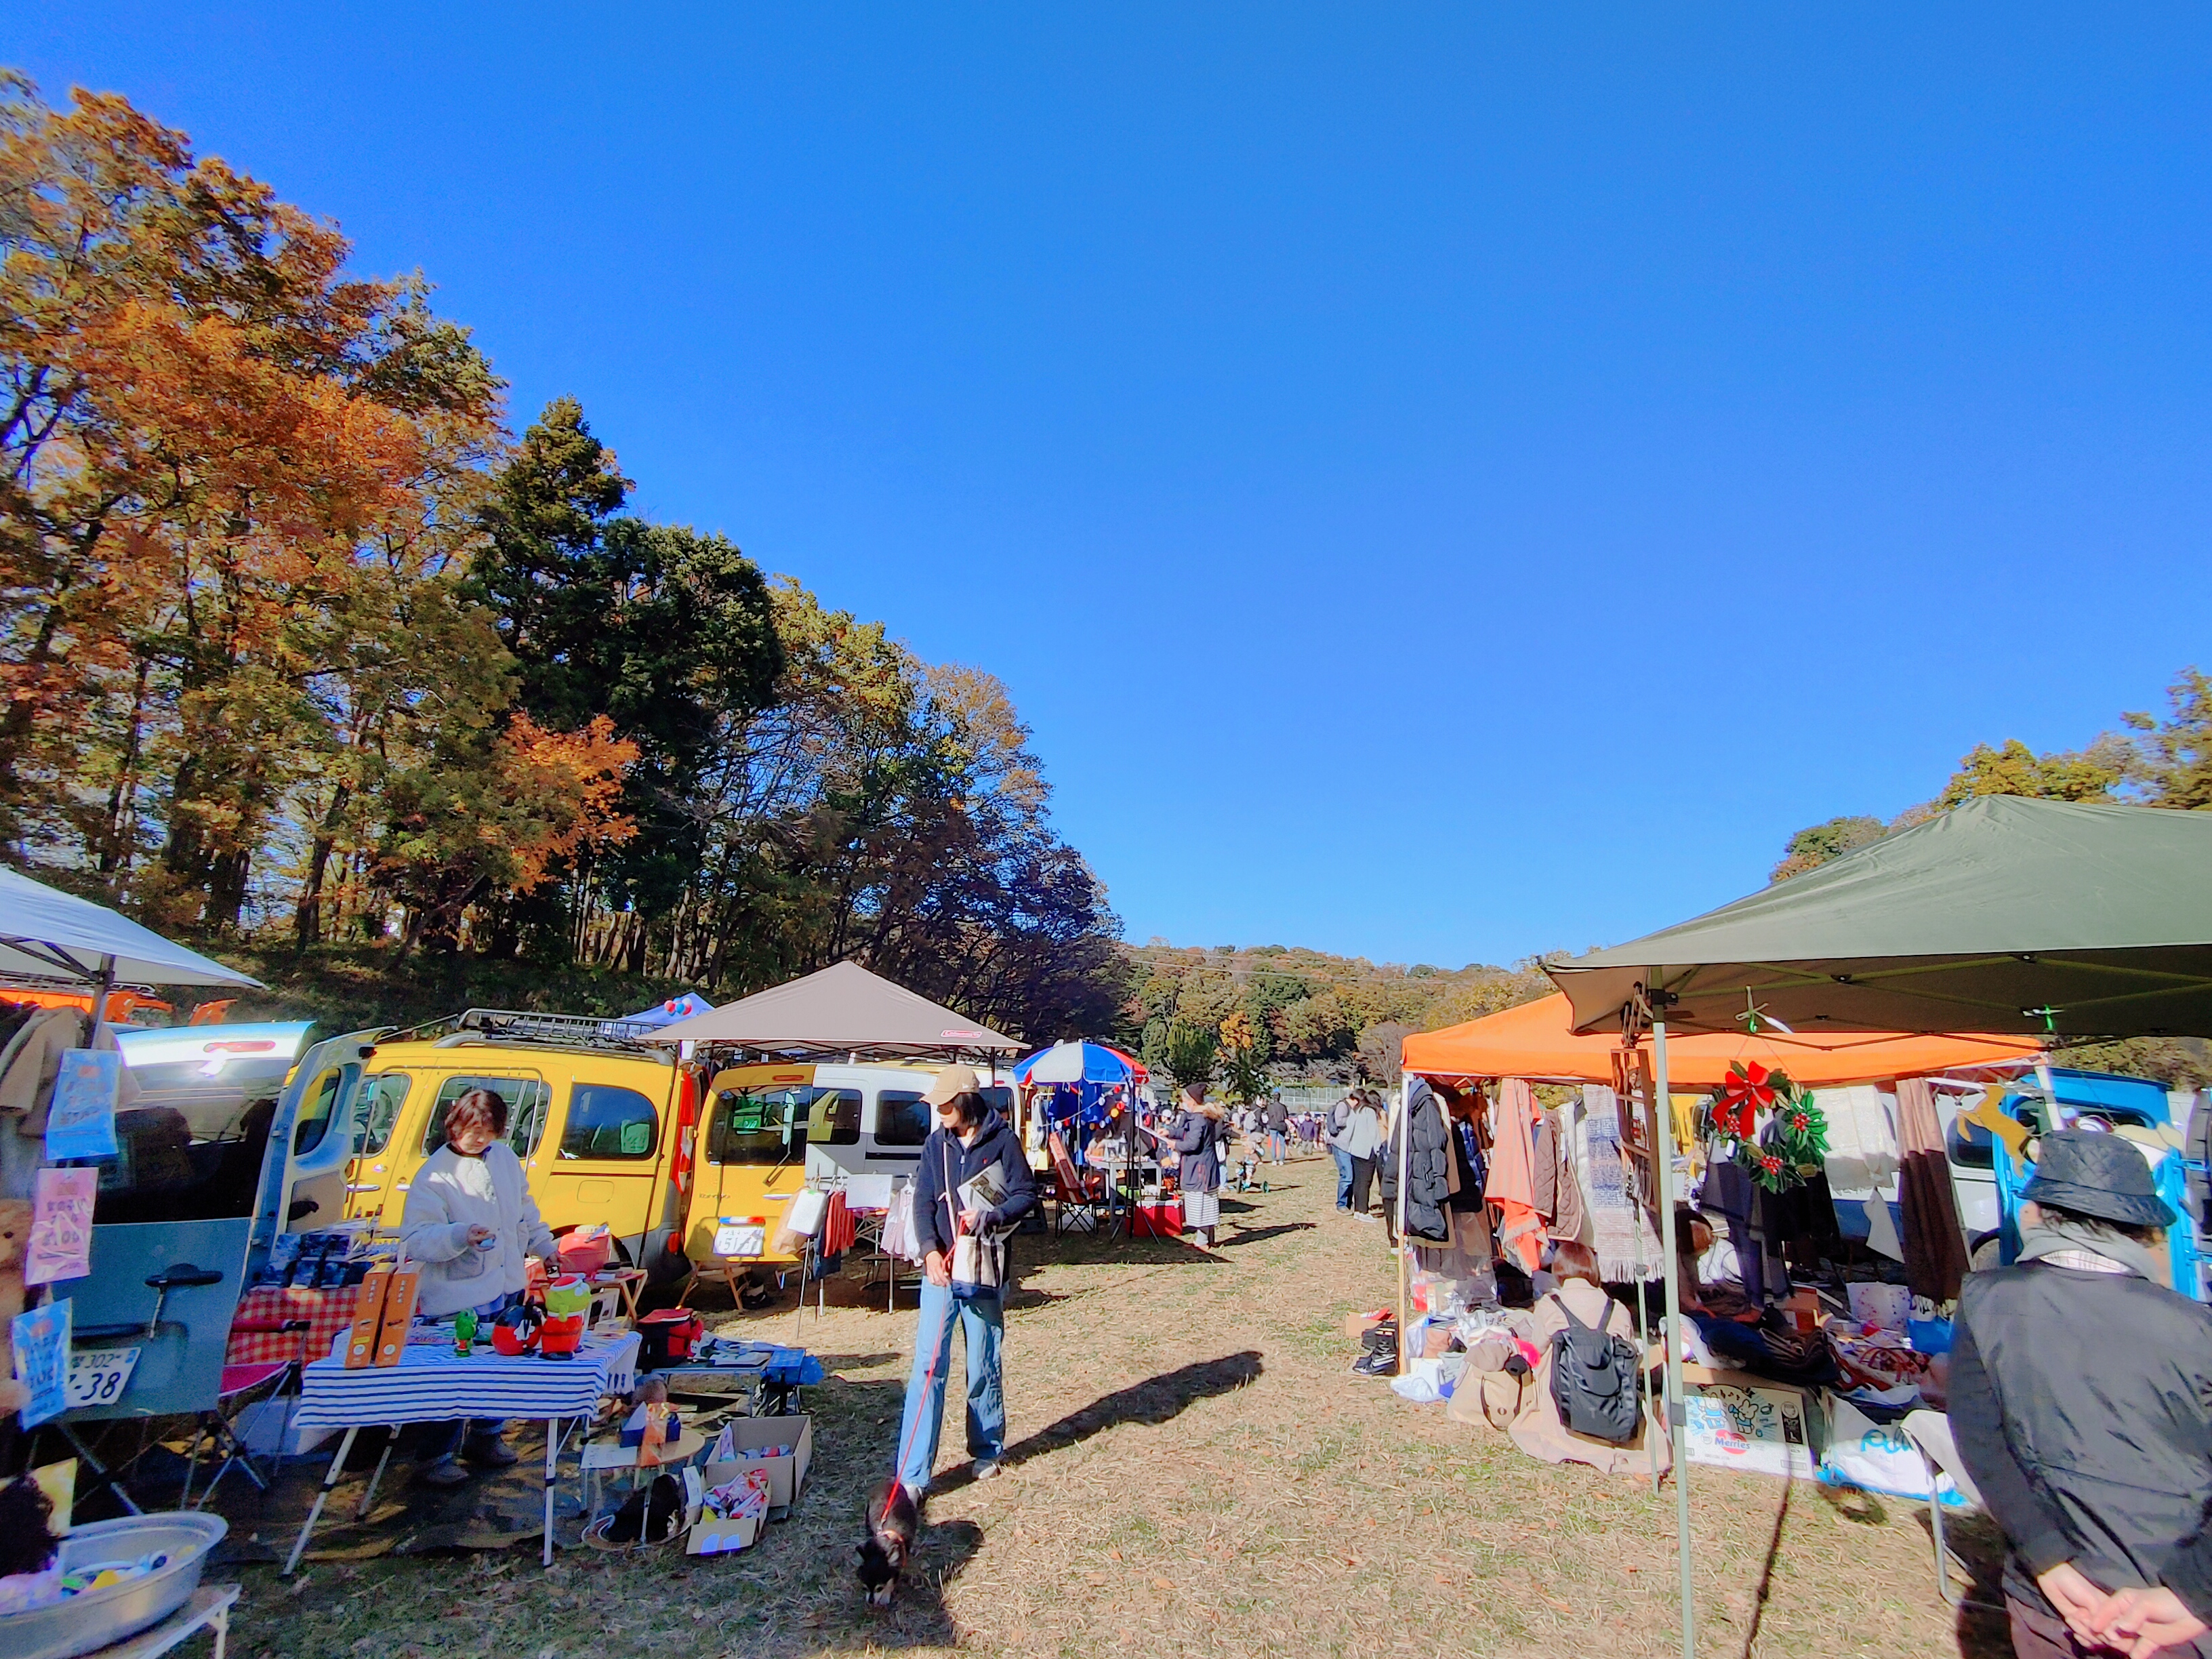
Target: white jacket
(452,1193)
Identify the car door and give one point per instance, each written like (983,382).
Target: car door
(381,1118)
(599,1163)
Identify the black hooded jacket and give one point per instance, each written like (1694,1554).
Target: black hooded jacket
(1428,1166)
(2081,1404)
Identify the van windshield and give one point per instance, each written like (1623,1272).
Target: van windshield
(775,1126)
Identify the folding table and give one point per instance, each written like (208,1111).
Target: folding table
(432,1384)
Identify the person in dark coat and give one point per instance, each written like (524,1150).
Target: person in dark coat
(2081,1403)
(970,1144)
(1196,1134)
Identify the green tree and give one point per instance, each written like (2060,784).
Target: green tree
(1810,849)
(2170,760)
(2014,769)
(1190,1048)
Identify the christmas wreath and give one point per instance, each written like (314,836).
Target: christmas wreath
(1779,1136)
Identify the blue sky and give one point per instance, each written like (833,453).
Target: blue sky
(1442,484)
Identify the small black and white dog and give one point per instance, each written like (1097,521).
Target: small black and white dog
(892,1521)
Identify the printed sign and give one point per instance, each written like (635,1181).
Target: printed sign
(42,1337)
(61,1226)
(81,1123)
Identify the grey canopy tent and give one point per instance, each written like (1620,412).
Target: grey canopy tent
(844,1007)
(2002,915)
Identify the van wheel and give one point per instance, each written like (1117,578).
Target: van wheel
(1985,1254)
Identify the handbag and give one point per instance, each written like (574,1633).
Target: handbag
(978,1263)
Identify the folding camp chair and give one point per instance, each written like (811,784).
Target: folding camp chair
(242,1387)
(1080,1201)
(1930,1435)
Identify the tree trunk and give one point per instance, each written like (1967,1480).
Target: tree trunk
(307,914)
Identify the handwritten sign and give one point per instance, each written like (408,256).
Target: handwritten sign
(61,1226)
(80,1123)
(42,1345)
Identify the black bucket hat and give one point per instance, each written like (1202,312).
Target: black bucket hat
(2099,1175)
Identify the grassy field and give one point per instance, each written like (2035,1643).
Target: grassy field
(1193,1470)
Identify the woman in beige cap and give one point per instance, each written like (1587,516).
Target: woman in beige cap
(963,1236)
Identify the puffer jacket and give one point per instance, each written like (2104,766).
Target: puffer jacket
(1428,1167)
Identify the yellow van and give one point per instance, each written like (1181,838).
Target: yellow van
(601,1122)
(771,1130)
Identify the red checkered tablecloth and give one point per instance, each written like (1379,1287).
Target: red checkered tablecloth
(327,1313)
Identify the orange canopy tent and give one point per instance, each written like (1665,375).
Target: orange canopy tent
(1533,1040)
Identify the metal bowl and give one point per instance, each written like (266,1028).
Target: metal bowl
(83,1624)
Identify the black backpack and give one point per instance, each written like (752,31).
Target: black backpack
(1594,1382)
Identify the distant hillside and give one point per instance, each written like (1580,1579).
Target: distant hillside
(1314,1015)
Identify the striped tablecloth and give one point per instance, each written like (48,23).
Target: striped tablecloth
(432,1384)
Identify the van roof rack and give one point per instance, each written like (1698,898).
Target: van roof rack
(521,1026)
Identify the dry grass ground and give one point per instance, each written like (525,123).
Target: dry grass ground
(1192,1471)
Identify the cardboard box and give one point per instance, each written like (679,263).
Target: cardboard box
(1753,1425)
(398,1314)
(712,1534)
(368,1319)
(787,1476)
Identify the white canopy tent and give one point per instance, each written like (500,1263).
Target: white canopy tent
(47,934)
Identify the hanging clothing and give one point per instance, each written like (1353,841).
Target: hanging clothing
(1752,1228)
(1935,1243)
(1513,1170)
(1427,1154)
(1570,1217)
(1620,1233)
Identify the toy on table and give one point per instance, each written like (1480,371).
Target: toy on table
(568,1299)
(464,1331)
(652,1422)
(514,1331)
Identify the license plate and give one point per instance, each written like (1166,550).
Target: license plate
(98,1377)
(741,1235)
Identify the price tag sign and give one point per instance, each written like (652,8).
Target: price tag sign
(98,1377)
(741,1235)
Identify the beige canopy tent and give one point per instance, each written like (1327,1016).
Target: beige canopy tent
(844,1008)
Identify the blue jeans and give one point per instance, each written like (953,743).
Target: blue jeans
(984,1321)
(1278,1146)
(1343,1177)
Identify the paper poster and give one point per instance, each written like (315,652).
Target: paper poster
(61,1226)
(42,1342)
(80,1123)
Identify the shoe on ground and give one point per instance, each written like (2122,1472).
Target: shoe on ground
(445,1474)
(986,1469)
(489,1453)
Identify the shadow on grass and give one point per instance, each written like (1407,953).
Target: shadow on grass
(1260,1235)
(1153,1401)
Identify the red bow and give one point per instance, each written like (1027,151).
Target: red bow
(1744,1094)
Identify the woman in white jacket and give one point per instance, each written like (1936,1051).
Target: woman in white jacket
(471,1227)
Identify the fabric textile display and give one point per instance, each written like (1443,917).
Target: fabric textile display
(1862,1145)
(1512,1182)
(1620,1230)
(1753,1226)
(1559,1193)
(1935,1243)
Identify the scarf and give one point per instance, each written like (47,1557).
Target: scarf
(2089,1246)
(1511,1185)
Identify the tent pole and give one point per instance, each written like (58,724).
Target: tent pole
(1677,1416)
(99,997)
(1404,1250)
